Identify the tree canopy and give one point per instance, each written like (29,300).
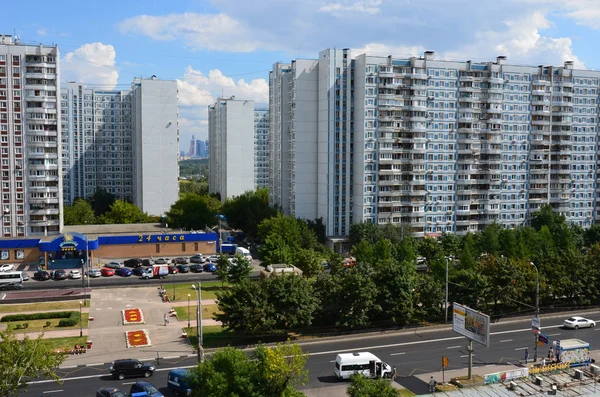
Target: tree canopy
(26,359)
(80,213)
(361,386)
(248,210)
(193,211)
(122,212)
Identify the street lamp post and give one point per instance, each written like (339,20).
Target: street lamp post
(199,323)
(188,310)
(80,320)
(537,311)
(446,307)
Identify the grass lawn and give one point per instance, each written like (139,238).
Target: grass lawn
(217,336)
(65,343)
(405,393)
(208,311)
(40,307)
(179,292)
(40,325)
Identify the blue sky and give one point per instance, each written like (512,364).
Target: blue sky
(214,47)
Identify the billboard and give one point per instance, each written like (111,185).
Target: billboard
(471,323)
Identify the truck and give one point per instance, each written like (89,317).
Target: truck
(157,271)
(228,248)
(365,363)
(573,351)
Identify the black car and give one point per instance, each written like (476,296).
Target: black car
(183,268)
(9,286)
(138,271)
(130,368)
(146,262)
(133,262)
(41,275)
(196,268)
(60,274)
(110,392)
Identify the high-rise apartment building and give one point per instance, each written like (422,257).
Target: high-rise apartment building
(30,139)
(107,133)
(261,148)
(231,151)
(442,146)
(201,151)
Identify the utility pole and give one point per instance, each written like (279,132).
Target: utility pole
(199,323)
(537,312)
(446,306)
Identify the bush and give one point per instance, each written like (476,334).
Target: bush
(48,323)
(25,325)
(73,319)
(37,316)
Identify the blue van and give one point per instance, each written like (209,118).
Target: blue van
(177,381)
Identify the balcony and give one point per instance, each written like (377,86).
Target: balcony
(466,89)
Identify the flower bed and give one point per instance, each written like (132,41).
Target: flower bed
(132,316)
(138,338)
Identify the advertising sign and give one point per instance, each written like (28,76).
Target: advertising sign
(543,338)
(471,323)
(500,377)
(535,324)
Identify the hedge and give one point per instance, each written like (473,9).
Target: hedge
(68,319)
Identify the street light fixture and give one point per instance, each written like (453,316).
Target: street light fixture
(537,311)
(188,310)
(80,320)
(199,323)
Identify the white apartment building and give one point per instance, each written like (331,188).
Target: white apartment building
(231,150)
(107,133)
(30,149)
(441,146)
(261,148)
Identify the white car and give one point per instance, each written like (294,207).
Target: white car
(8,267)
(213,258)
(94,273)
(576,322)
(74,274)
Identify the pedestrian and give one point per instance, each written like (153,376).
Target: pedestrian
(526,355)
(393,373)
(166,320)
(432,384)
(543,362)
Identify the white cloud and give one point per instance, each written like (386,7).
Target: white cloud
(198,89)
(92,63)
(354,6)
(42,31)
(216,32)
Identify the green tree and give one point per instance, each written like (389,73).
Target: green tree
(200,188)
(223,269)
(428,297)
(292,301)
(283,236)
(22,361)
(240,269)
(488,240)
(364,231)
(361,386)
(80,213)
(363,252)
(309,262)
(101,201)
(395,284)
(245,307)
(192,211)
(318,227)
(282,367)
(122,212)
(248,210)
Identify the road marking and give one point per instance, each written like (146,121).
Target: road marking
(68,366)
(463,356)
(506,340)
(554,334)
(128,383)
(109,308)
(94,365)
(332,361)
(521,348)
(168,358)
(52,391)
(453,347)
(397,354)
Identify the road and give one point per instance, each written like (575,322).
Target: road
(414,352)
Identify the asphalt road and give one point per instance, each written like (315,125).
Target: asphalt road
(413,352)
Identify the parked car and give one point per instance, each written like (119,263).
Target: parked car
(113,265)
(59,274)
(173,269)
(94,273)
(7,267)
(135,262)
(213,258)
(145,387)
(161,261)
(138,271)
(123,272)
(196,268)
(107,272)
(9,286)
(110,392)
(197,258)
(41,275)
(25,276)
(126,368)
(183,268)
(74,274)
(181,261)
(210,267)
(147,262)
(577,322)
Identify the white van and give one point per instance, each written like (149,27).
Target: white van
(244,252)
(366,364)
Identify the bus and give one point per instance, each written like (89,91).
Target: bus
(11,278)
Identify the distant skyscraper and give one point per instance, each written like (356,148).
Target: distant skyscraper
(201,149)
(231,156)
(192,150)
(261,148)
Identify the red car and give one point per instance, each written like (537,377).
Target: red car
(107,272)
(173,269)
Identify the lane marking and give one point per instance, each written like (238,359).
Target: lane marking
(466,355)
(397,354)
(128,383)
(520,348)
(68,366)
(332,361)
(167,358)
(53,391)
(94,365)
(453,347)
(554,334)
(506,340)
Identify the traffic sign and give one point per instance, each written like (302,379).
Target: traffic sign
(543,338)
(444,362)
